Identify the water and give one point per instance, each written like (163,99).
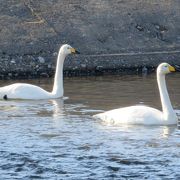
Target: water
(59,139)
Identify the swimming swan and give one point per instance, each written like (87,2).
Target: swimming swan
(142,114)
(29,91)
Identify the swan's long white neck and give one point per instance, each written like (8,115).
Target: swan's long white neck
(58,79)
(165,101)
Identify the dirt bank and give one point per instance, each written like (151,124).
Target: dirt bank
(112,35)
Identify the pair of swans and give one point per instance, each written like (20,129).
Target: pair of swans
(127,115)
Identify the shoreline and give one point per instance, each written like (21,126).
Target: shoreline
(36,66)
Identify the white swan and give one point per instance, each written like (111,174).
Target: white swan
(142,114)
(29,91)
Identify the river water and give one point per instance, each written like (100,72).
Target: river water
(59,139)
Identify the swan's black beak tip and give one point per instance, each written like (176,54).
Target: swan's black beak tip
(5,97)
(77,52)
(177,68)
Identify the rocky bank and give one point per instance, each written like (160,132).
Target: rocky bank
(113,36)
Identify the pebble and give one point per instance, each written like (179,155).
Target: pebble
(49,65)
(41,59)
(44,74)
(13,62)
(139,27)
(55,54)
(9,74)
(144,70)
(99,67)
(83,65)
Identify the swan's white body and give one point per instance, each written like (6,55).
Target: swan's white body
(142,114)
(29,91)
(134,115)
(24,91)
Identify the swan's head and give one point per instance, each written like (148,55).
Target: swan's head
(165,68)
(67,49)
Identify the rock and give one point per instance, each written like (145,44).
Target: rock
(139,27)
(99,68)
(13,61)
(41,60)
(55,54)
(49,66)
(83,65)
(10,74)
(144,70)
(44,74)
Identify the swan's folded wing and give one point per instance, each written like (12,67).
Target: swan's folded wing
(131,115)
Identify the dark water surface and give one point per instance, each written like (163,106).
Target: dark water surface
(59,139)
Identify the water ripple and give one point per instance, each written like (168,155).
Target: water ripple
(59,139)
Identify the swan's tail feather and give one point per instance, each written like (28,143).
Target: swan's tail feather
(5,97)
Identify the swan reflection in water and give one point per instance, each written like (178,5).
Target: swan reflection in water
(58,108)
(32,109)
(167,131)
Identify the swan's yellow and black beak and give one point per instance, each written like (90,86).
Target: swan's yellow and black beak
(74,51)
(171,69)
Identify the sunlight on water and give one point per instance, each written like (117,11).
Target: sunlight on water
(59,139)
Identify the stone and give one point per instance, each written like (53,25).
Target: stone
(49,66)
(83,65)
(41,60)
(13,62)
